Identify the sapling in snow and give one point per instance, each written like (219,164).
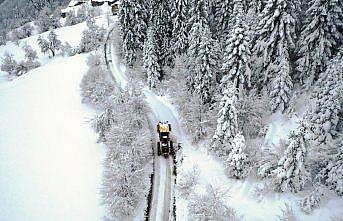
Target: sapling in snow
(237,163)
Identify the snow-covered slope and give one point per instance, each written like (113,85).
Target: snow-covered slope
(50,164)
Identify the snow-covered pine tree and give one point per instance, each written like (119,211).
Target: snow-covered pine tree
(325,117)
(227,126)
(162,21)
(237,163)
(206,65)
(274,43)
(151,59)
(319,38)
(291,174)
(197,22)
(127,25)
(236,59)
(180,15)
(223,16)
(281,86)
(193,53)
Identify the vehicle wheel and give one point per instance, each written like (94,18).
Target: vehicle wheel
(158,149)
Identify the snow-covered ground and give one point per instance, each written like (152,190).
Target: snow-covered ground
(50,163)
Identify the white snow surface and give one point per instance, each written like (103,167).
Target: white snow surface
(50,163)
(212,171)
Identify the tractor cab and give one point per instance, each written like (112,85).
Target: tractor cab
(165,145)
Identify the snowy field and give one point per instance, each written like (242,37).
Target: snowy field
(50,163)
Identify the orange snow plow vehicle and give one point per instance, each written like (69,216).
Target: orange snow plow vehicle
(165,145)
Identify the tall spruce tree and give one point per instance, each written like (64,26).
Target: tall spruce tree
(206,65)
(160,17)
(180,17)
(197,23)
(320,38)
(151,59)
(236,60)
(227,123)
(133,24)
(273,46)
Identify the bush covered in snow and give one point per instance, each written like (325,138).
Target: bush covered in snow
(311,201)
(9,64)
(95,85)
(187,180)
(50,45)
(92,38)
(287,214)
(211,205)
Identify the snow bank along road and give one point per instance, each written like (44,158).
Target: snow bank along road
(161,208)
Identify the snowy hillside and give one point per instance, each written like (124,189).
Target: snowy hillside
(51,164)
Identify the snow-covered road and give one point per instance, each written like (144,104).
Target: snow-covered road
(50,163)
(162,195)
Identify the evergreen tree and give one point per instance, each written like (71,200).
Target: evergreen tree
(227,126)
(237,164)
(281,86)
(180,17)
(320,37)
(223,16)
(198,23)
(151,61)
(236,60)
(274,44)
(206,65)
(326,116)
(133,24)
(291,174)
(161,19)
